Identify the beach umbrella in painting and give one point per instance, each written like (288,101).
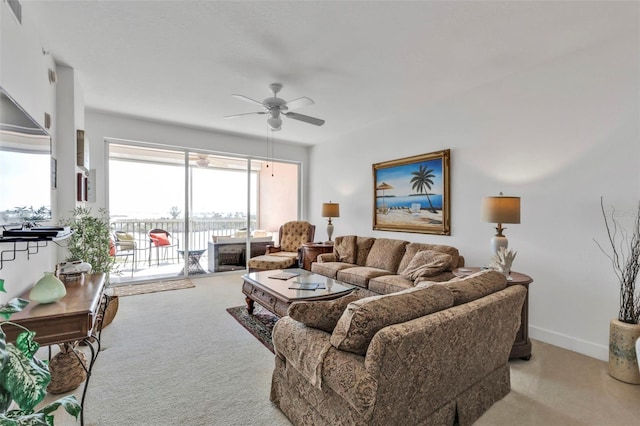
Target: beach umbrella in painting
(383,186)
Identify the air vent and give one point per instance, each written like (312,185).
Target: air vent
(16,8)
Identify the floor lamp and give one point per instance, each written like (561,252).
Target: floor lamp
(500,209)
(330,210)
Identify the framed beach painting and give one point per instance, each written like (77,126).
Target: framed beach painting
(412,194)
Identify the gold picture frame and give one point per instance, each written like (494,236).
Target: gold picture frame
(412,194)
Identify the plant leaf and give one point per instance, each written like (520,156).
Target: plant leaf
(26,344)
(70,404)
(2,286)
(12,306)
(4,354)
(25,378)
(5,400)
(23,418)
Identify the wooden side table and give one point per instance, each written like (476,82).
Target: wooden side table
(522,345)
(311,251)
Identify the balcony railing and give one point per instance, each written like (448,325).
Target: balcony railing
(201,231)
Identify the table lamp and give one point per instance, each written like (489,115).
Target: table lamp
(500,209)
(330,210)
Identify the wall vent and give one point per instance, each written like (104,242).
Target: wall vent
(16,8)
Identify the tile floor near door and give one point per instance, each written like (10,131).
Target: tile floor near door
(560,387)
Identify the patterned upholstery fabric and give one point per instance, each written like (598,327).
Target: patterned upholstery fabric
(359,275)
(386,254)
(294,234)
(270,262)
(364,245)
(473,286)
(322,314)
(330,269)
(389,284)
(345,248)
(364,318)
(426,263)
(413,248)
(413,372)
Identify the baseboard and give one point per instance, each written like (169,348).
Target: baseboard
(584,347)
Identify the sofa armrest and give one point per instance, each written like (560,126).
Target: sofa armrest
(273,249)
(303,347)
(327,257)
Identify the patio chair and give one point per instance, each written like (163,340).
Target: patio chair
(161,239)
(124,244)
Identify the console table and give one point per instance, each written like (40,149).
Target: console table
(522,345)
(70,319)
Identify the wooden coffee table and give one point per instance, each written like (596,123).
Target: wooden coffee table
(276,296)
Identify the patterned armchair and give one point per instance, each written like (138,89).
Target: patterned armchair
(292,236)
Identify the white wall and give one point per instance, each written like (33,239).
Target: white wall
(560,136)
(101,126)
(24,75)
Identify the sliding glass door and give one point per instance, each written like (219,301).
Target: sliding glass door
(190,213)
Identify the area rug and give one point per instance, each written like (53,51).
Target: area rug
(260,324)
(133,289)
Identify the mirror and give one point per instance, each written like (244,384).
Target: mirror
(25,166)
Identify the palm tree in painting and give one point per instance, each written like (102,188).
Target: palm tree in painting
(422,181)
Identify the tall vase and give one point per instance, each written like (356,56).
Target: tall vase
(623,360)
(48,289)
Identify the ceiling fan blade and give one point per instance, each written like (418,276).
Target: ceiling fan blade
(245,113)
(305,118)
(299,103)
(246,99)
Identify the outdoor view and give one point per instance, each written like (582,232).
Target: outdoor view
(192,199)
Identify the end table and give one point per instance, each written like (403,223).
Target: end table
(522,345)
(311,251)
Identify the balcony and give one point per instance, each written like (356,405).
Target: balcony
(152,262)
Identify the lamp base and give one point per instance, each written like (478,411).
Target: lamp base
(498,241)
(329,230)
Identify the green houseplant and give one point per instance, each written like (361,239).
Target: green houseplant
(24,378)
(624,255)
(90,239)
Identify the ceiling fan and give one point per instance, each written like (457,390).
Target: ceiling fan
(276,107)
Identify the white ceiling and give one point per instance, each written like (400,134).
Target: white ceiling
(360,61)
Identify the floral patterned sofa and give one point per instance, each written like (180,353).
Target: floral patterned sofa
(432,354)
(384,266)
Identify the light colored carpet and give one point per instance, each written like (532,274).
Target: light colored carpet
(178,358)
(133,289)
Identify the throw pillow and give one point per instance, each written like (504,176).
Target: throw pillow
(476,286)
(345,249)
(426,263)
(365,317)
(323,314)
(160,240)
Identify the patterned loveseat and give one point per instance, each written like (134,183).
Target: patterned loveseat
(434,354)
(384,265)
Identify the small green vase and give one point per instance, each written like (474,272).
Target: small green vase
(48,289)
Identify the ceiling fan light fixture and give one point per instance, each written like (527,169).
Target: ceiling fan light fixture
(275,123)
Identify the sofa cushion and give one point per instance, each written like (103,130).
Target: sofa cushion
(426,263)
(389,284)
(386,254)
(472,287)
(365,317)
(363,248)
(439,278)
(321,314)
(413,248)
(360,275)
(329,269)
(345,248)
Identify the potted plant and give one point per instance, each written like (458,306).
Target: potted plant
(625,330)
(90,239)
(24,378)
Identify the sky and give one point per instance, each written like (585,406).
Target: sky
(147,190)
(32,171)
(399,177)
